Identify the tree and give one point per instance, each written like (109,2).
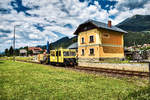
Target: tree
(50,46)
(17,52)
(11,51)
(28,52)
(1,55)
(26,47)
(6,52)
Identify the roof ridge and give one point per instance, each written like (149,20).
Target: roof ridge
(102,25)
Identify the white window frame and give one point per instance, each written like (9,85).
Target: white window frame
(89,39)
(83,40)
(82,52)
(90,52)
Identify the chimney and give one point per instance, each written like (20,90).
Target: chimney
(109,23)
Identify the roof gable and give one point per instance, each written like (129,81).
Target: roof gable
(73,46)
(97,24)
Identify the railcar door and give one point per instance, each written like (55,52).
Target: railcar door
(59,56)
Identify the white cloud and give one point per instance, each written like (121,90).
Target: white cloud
(113,11)
(52,15)
(5,4)
(126,12)
(34,36)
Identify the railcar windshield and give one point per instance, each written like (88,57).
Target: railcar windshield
(52,53)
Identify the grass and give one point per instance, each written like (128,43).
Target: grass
(19,80)
(18,58)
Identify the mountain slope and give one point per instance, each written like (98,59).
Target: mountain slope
(63,42)
(136,23)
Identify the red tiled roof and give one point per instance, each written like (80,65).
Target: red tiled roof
(35,48)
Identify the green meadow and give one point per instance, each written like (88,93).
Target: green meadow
(27,81)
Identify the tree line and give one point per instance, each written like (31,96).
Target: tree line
(10,52)
(136,38)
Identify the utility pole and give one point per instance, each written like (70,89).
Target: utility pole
(14,39)
(14,45)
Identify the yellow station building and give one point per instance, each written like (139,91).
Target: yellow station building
(98,41)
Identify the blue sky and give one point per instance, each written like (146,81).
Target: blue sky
(49,20)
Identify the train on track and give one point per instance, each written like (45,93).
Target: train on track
(68,57)
(64,57)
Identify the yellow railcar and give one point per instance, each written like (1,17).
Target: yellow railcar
(63,56)
(59,56)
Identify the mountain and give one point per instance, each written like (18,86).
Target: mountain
(138,28)
(63,42)
(136,23)
(136,38)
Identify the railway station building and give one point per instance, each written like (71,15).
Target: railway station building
(99,41)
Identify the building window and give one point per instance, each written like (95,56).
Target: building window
(91,39)
(106,35)
(91,51)
(82,40)
(82,52)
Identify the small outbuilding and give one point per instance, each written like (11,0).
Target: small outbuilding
(23,52)
(35,50)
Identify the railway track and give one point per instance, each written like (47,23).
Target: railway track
(115,71)
(105,70)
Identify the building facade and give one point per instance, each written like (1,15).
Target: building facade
(98,41)
(23,52)
(35,50)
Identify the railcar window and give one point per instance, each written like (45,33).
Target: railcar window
(66,53)
(72,53)
(58,53)
(52,53)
